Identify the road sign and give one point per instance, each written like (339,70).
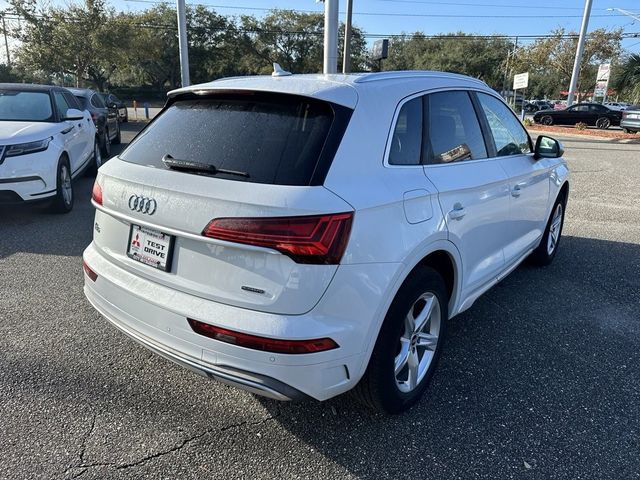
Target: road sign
(381,49)
(602,80)
(521,80)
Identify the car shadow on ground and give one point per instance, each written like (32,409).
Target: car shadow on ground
(539,369)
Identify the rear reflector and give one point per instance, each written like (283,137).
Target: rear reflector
(96,193)
(90,273)
(261,343)
(316,239)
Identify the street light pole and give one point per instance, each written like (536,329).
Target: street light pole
(330,36)
(576,64)
(182,43)
(346,61)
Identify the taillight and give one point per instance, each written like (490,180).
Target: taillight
(90,273)
(315,239)
(262,343)
(624,114)
(96,193)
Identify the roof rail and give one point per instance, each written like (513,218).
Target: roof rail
(397,74)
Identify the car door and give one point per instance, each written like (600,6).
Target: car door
(71,134)
(528,178)
(110,113)
(473,190)
(86,128)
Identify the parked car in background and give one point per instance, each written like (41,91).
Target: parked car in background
(114,102)
(104,118)
(46,141)
(303,235)
(542,105)
(631,119)
(616,105)
(593,114)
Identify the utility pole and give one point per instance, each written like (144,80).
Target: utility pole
(346,61)
(182,43)
(6,40)
(330,36)
(576,64)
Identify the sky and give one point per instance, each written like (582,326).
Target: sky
(510,17)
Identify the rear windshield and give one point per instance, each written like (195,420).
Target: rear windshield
(272,138)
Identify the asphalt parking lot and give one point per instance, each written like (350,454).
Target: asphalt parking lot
(539,379)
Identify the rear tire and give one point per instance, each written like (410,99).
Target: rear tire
(626,130)
(106,145)
(63,200)
(603,123)
(408,345)
(96,161)
(545,252)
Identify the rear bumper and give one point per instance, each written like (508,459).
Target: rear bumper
(156,316)
(631,124)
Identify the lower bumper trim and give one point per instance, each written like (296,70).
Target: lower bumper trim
(252,382)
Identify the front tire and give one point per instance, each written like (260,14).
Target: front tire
(603,123)
(63,200)
(408,346)
(545,252)
(547,120)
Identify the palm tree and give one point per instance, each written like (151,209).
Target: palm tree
(628,80)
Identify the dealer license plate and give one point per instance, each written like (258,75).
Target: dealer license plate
(150,247)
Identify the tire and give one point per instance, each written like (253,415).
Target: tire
(106,145)
(118,138)
(384,387)
(96,161)
(545,252)
(626,130)
(603,123)
(546,120)
(63,200)
(126,117)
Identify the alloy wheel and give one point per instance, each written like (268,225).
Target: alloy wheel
(65,182)
(418,342)
(554,229)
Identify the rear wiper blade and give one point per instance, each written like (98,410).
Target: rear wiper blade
(198,167)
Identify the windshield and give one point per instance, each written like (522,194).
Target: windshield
(21,105)
(272,138)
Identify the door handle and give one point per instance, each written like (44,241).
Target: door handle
(458,212)
(517,190)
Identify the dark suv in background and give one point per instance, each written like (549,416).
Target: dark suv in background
(105,118)
(114,102)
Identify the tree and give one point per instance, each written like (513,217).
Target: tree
(550,60)
(627,80)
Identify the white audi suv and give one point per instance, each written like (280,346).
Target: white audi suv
(46,140)
(299,236)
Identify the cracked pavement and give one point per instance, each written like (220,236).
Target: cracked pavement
(539,379)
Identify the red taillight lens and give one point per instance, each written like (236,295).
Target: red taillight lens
(90,273)
(261,343)
(624,114)
(96,193)
(317,239)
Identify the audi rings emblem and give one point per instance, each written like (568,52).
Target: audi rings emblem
(143,204)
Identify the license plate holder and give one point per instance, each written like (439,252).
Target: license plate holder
(150,247)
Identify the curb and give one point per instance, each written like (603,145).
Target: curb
(589,137)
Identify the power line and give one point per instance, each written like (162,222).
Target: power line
(376,14)
(429,2)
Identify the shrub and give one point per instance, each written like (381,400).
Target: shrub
(581,126)
(527,122)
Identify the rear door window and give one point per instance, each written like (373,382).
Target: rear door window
(453,132)
(272,138)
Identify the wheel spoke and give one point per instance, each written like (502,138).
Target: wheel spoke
(409,324)
(402,358)
(427,341)
(424,315)
(413,363)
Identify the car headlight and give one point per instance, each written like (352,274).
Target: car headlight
(24,148)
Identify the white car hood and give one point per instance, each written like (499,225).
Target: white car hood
(21,132)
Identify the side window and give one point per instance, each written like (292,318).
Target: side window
(61,104)
(597,109)
(83,102)
(580,108)
(509,135)
(96,101)
(72,101)
(406,142)
(453,132)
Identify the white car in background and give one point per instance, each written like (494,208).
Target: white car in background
(299,236)
(620,106)
(45,142)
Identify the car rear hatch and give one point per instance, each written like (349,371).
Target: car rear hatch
(245,160)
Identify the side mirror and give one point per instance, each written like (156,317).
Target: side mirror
(74,114)
(112,105)
(547,147)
